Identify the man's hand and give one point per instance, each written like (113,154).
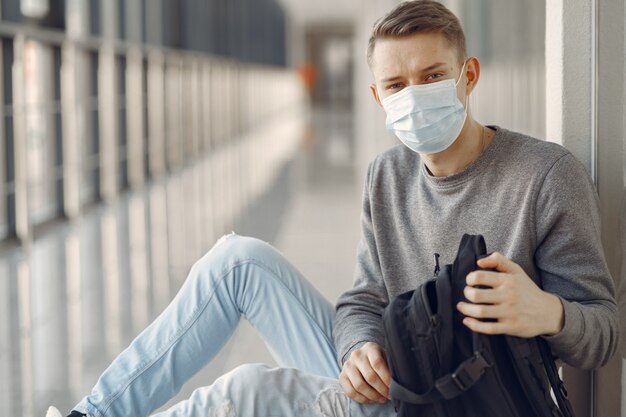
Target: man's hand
(520,307)
(365,376)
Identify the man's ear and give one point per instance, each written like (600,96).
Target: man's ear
(473,73)
(375,93)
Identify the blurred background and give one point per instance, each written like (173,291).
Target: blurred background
(135,133)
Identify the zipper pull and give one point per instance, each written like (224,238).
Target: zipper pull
(437,269)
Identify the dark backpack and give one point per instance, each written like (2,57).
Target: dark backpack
(441,368)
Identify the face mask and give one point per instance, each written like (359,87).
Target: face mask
(428,117)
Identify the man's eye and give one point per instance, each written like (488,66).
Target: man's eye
(434,76)
(394,86)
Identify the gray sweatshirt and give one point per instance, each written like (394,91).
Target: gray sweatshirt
(530,199)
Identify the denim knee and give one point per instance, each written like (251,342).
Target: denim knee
(267,384)
(227,251)
(249,376)
(241,247)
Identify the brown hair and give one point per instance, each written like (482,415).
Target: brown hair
(419,16)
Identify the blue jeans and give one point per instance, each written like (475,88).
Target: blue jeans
(238,276)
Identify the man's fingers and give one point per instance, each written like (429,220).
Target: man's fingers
(479,295)
(378,362)
(350,390)
(362,386)
(480,311)
(374,381)
(498,261)
(365,376)
(487,278)
(485,327)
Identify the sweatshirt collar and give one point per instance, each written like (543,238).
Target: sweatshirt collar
(476,167)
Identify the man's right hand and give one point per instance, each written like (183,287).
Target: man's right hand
(365,376)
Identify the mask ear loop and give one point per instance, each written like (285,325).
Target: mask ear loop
(457,83)
(461,75)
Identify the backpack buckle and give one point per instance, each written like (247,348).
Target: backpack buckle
(463,378)
(470,370)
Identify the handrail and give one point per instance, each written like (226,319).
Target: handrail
(120,46)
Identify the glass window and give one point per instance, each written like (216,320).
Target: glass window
(121,23)
(5,71)
(8,199)
(10,10)
(90,144)
(95,22)
(122,122)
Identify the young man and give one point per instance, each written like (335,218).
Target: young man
(533,202)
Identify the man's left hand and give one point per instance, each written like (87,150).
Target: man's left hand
(519,306)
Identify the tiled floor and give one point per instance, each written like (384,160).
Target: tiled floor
(76,298)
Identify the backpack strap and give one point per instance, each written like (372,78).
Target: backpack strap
(448,386)
(443,285)
(558,387)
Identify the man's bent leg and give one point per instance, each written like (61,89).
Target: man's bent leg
(259,391)
(239,275)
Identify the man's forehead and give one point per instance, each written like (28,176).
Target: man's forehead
(415,53)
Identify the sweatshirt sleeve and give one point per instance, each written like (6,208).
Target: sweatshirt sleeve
(571,263)
(359,310)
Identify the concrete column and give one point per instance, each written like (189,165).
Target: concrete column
(570,116)
(571,77)
(107,103)
(156,113)
(585,49)
(71,145)
(22,210)
(611,181)
(205,119)
(134,116)
(134,94)
(76,18)
(74,95)
(173,112)
(195,85)
(108,120)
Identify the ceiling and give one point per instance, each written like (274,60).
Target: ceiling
(316,12)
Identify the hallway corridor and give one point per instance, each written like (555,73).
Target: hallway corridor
(94,284)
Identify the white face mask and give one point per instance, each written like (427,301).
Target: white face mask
(427,118)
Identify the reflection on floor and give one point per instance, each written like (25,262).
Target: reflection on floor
(79,295)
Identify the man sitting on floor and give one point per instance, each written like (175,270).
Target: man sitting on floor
(532,200)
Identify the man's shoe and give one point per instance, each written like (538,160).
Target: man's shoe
(53,412)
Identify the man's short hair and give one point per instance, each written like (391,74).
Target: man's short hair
(419,16)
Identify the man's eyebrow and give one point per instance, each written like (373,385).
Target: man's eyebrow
(395,77)
(429,68)
(433,66)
